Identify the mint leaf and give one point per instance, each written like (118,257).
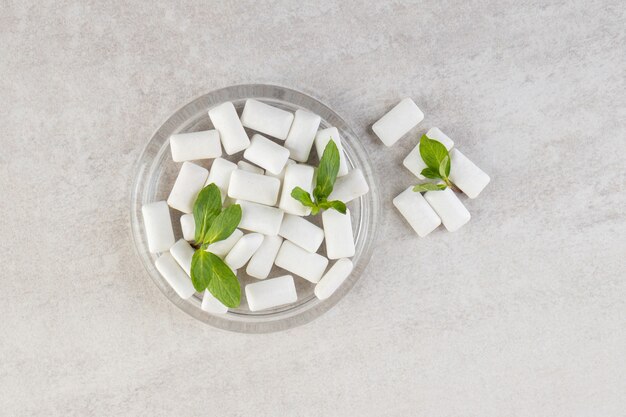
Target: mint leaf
(431,173)
(429,187)
(432,152)
(325,177)
(200,270)
(303,197)
(224,285)
(207,206)
(213,224)
(444,167)
(326,172)
(340,206)
(210,272)
(224,224)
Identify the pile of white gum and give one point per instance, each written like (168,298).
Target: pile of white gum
(426,212)
(274,229)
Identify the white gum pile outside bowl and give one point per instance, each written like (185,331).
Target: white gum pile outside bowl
(155,173)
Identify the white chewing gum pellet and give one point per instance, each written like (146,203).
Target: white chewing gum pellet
(253,187)
(466,175)
(413,161)
(182,253)
(271,293)
(212,305)
(267,154)
(417,212)
(338,234)
(262,261)
(398,121)
(281,174)
(195,145)
(296,175)
(293,258)
(158,225)
(222,247)
(226,122)
(220,175)
(448,206)
(333,279)
(266,119)
(301,232)
(260,218)
(174,275)
(188,226)
(189,183)
(302,134)
(246,166)
(321,140)
(243,250)
(349,187)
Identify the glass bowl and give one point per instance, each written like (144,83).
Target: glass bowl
(155,174)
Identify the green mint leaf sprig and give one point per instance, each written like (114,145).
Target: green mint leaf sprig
(207,206)
(429,186)
(437,160)
(224,224)
(340,206)
(208,271)
(325,178)
(326,173)
(212,273)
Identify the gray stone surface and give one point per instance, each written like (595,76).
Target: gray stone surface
(520,313)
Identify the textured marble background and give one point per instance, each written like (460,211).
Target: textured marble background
(520,313)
